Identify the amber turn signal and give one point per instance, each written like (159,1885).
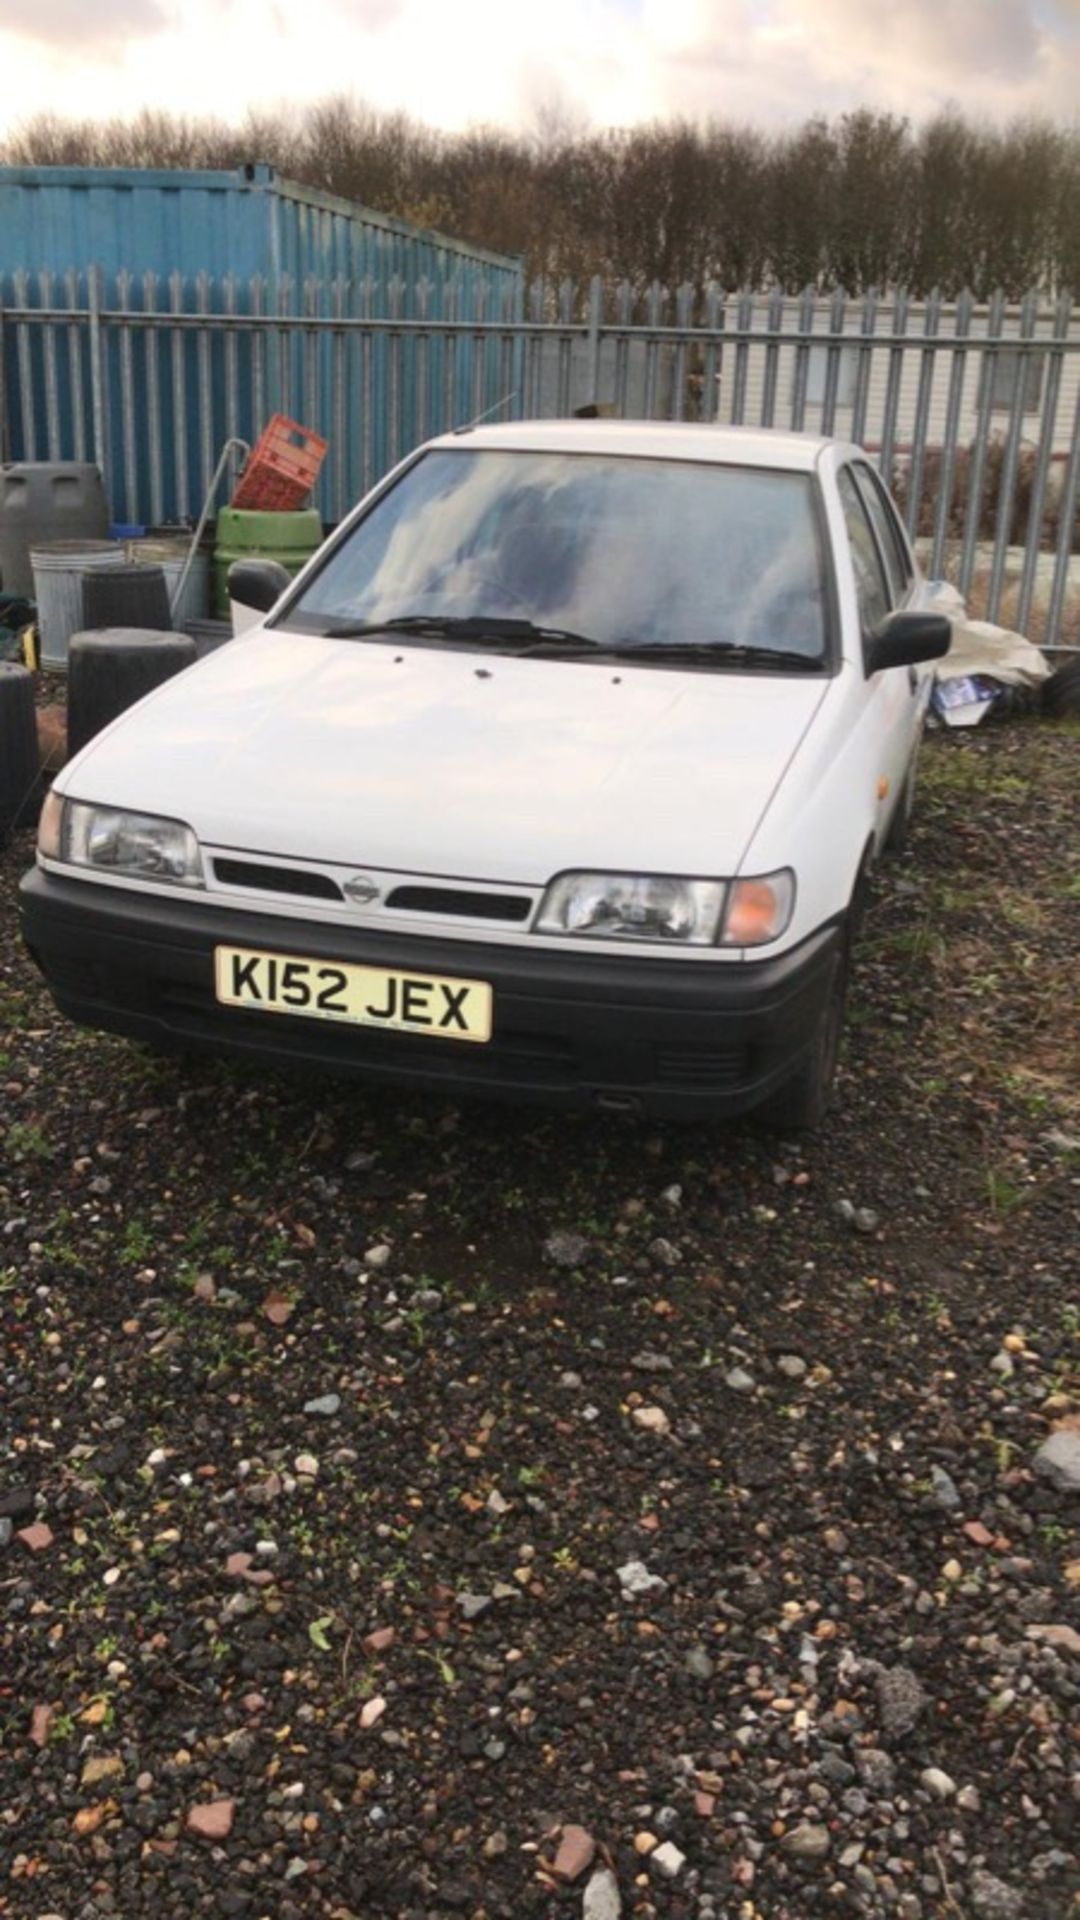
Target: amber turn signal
(759,910)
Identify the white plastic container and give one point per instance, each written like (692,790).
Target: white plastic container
(58,570)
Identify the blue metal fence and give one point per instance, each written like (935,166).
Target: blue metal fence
(972,412)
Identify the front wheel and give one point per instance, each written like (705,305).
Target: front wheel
(800,1103)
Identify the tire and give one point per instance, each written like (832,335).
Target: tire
(1061,693)
(20,786)
(111,668)
(800,1103)
(126,597)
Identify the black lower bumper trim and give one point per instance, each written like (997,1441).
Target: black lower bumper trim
(675,1037)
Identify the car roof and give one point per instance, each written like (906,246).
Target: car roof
(650,440)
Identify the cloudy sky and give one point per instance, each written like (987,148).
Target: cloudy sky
(605,62)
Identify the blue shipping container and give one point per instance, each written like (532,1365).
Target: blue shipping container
(63,219)
(153,403)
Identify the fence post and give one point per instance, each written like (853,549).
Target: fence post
(98,374)
(1070,500)
(957,374)
(1047,424)
(592,353)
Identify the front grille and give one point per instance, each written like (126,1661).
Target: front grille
(266,879)
(471,905)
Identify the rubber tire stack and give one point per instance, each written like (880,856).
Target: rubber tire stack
(1061,693)
(126,597)
(110,669)
(19,783)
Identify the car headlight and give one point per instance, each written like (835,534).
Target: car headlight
(133,846)
(695,913)
(628,906)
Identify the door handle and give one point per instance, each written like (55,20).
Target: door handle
(912,680)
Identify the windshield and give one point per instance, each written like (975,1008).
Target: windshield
(622,551)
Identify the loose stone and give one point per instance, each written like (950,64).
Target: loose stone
(101,1767)
(603,1900)
(901,1699)
(326,1405)
(651,1420)
(472,1605)
(945,1492)
(791,1366)
(938,1783)
(1058,1460)
(577,1851)
(806,1842)
(876,1770)
(667,1861)
(567,1250)
(213,1820)
(635,1579)
(36,1538)
(994,1899)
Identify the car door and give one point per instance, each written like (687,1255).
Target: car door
(892,696)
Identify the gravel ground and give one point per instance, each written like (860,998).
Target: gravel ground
(408,1511)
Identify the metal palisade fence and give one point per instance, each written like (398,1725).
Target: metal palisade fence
(972,411)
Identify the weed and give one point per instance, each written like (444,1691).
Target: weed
(442,1666)
(137,1244)
(1003,1194)
(27,1142)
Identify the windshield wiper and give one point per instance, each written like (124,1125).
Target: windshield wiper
(538,641)
(726,652)
(471,626)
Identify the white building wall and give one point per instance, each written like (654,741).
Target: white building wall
(975,367)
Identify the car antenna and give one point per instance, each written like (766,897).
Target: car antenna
(486,415)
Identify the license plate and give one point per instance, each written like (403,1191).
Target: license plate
(365,996)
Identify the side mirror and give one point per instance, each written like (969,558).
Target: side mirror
(257,584)
(906,639)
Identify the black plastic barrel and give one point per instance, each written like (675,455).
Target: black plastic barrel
(127,597)
(111,668)
(19,783)
(42,501)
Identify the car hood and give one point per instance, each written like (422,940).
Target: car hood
(455,763)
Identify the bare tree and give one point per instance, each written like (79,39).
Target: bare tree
(863,201)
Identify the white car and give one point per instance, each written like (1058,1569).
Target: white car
(558,773)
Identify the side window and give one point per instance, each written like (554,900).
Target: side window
(889,531)
(870,582)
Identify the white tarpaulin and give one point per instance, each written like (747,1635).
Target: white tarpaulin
(982,659)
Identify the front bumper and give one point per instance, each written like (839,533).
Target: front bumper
(678,1038)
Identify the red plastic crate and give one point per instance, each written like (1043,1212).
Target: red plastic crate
(282,468)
